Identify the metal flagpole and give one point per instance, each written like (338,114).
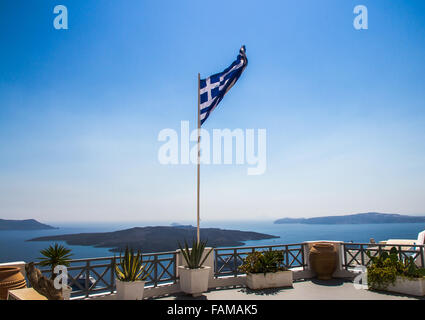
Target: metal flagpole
(199,152)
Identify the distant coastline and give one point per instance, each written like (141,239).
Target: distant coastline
(23,250)
(22,225)
(359,218)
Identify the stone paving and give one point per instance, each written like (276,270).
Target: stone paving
(334,289)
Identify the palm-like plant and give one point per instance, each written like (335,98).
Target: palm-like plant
(131,267)
(193,256)
(55,256)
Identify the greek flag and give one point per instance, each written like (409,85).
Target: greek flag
(213,89)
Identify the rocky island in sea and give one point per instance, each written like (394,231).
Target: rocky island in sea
(157,239)
(17,225)
(359,218)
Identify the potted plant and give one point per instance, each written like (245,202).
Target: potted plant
(389,273)
(54,256)
(194,275)
(131,274)
(266,270)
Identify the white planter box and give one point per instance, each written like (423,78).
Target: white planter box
(194,281)
(130,290)
(269,280)
(414,287)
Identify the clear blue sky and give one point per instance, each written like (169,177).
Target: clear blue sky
(80,109)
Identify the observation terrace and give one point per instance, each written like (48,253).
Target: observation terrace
(93,278)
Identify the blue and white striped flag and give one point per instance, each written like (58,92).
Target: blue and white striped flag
(213,89)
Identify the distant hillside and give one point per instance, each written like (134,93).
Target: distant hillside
(157,239)
(29,224)
(360,218)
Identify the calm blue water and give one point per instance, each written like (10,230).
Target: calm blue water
(14,247)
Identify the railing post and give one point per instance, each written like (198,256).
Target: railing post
(302,256)
(216,262)
(362,254)
(422,257)
(112,274)
(306,250)
(235,263)
(155,274)
(287,256)
(175,266)
(87,280)
(400,254)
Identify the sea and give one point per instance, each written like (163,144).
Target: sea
(15,247)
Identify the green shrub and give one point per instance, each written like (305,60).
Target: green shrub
(263,262)
(379,277)
(385,268)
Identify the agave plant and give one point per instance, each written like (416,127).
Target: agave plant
(55,256)
(193,256)
(131,267)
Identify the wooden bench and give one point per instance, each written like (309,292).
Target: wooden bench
(25,294)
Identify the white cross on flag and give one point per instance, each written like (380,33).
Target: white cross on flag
(213,89)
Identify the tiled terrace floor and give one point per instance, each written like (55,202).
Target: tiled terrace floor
(303,290)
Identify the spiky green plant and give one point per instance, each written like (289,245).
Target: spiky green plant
(193,256)
(55,256)
(131,267)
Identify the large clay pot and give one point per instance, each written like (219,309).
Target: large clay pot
(323,258)
(11,278)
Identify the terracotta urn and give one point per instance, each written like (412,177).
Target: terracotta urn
(11,278)
(323,259)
